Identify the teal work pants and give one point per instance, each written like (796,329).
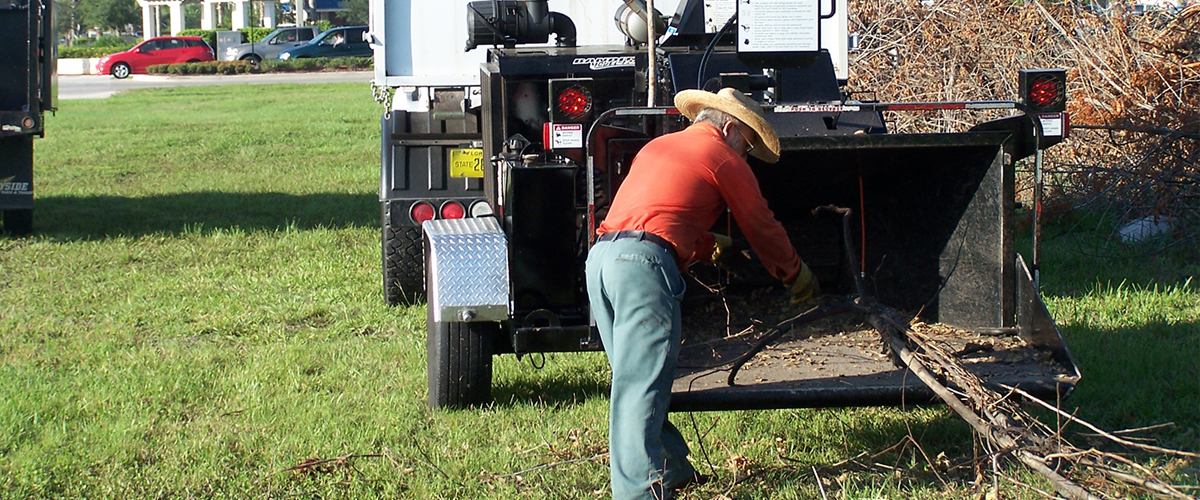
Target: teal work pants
(635,292)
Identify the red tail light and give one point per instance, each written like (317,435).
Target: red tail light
(453,210)
(1044,90)
(574,102)
(421,212)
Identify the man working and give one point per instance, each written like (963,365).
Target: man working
(677,187)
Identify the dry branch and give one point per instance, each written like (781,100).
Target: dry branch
(1134,84)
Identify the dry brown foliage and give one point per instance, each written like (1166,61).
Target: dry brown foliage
(1134,90)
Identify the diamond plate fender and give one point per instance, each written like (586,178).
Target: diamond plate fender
(468,269)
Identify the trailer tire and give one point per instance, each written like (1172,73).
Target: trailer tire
(403,264)
(459,357)
(18,222)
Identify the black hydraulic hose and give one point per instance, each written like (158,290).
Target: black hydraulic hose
(712,44)
(563,28)
(856,273)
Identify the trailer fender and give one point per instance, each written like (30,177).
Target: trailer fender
(467,262)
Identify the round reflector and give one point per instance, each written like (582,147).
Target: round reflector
(421,212)
(453,210)
(1044,92)
(574,102)
(481,209)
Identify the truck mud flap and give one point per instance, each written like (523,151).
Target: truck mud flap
(467,263)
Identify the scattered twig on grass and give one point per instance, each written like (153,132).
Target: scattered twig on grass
(1097,430)
(552,465)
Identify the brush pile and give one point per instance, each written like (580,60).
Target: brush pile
(1134,92)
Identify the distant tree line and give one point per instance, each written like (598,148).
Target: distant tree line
(77,16)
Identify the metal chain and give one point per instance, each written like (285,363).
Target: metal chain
(383,95)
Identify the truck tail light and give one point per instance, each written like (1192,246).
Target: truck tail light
(571,100)
(1044,90)
(574,102)
(421,212)
(453,210)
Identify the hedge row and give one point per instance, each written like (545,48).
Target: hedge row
(90,52)
(267,66)
(201,68)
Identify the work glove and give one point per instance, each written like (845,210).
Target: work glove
(805,285)
(722,249)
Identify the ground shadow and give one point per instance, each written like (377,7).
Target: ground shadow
(554,391)
(98,217)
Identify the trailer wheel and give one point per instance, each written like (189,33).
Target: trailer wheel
(403,263)
(18,222)
(121,70)
(459,362)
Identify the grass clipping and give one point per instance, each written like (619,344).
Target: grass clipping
(1133,91)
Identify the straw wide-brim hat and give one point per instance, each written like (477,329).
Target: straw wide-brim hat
(734,102)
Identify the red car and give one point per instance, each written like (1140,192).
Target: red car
(159,50)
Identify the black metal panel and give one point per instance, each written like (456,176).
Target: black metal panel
(592,61)
(887,389)
(415,157)
(16,172)
(936,214)
(544,265)
(16,57)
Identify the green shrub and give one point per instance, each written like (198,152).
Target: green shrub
(111,41)
(255,34)
(202,68)
(316,64)
(90,52)
(267,66)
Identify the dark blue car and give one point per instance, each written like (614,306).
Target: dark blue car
(346,41)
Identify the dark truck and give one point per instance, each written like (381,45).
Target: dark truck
(27,77)
(491,197)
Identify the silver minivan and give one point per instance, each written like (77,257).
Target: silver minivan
(271,45)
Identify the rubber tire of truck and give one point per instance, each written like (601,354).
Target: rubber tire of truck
(253,59)
(18,222)
(459,362)
(403,263)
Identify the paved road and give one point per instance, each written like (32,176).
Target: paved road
(99,87)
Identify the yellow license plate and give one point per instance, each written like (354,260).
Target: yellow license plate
(466,163)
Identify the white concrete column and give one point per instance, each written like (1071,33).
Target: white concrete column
(176,10)
(208,12)
(268,14)
(301,12)
(241,14)
(149,21)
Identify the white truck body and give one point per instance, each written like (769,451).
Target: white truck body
(419,43)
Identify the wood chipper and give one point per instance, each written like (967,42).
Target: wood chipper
(492,186)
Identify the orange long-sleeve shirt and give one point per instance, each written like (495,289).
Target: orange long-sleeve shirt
(680,183)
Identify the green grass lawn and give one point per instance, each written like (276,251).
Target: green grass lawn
(200,311)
